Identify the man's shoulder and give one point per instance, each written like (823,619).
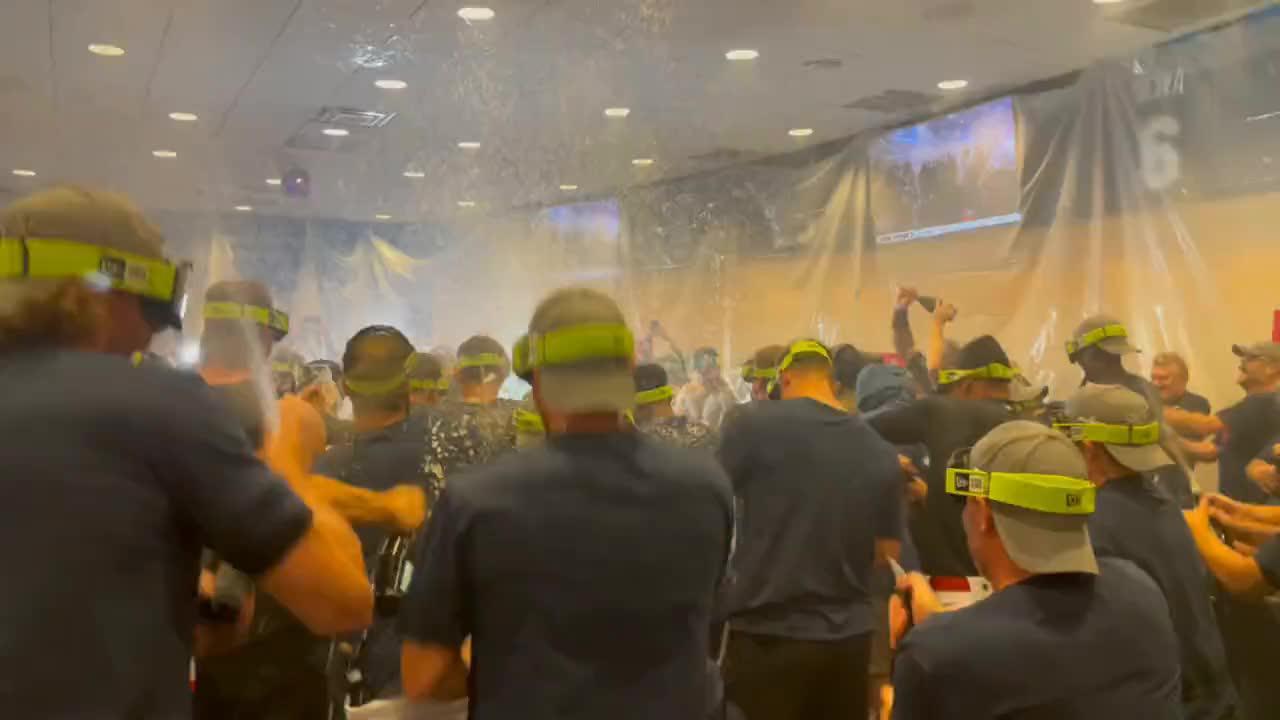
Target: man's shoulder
(961,637)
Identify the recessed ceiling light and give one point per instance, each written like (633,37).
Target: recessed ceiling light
(273,181)
(953,84)
(415,174)
(382,216)
(21,172)
(164,153)
(475,13)
(568,188)
(106,50)
(466,203)
(244,208)
(183,116)
(336,132)
(618,112)
(391,84)
(642,162)
(742,54)
(469,145)
(1107,2)
(800,132)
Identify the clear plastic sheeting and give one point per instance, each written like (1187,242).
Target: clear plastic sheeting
(1140,186)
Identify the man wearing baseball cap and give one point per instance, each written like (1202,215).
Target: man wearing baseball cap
(977,381)
(1249,428)
(1119,437)
(119,475)
(1065,634)
(583,569)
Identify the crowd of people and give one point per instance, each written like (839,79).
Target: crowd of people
(916,534)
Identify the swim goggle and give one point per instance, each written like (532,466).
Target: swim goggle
(655,395)
(578,344)
(161,284)
(277,321)
(1148,434)
(994,371)
(1093,337)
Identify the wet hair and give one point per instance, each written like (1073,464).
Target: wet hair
(482,345)
(426,367)
(377,352)
(649,377)
(848,362)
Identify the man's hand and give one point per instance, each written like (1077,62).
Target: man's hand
(924,604)
(906,296)
(1198,518)
(917,488)
(945,313)
(407,505)
(1264,475)
(1244,521)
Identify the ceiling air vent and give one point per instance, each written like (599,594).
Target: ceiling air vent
(1175,15)
(353,117)
(893,102)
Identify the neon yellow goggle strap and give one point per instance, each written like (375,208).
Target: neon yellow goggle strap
(439,384)
(804,347)
(481,360)
(52,258)
(581,343)
(1093,337)
(520,356)
(748,372)
(656,395)
(276,320)
(1055,494)
(382,387)
(529,422)
(994,371)
(284,367)
(1148,434)
(764,373)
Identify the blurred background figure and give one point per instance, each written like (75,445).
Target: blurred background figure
(655,415)
(428,382)
(707,397)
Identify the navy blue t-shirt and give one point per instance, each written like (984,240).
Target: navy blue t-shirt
(1251,424)
(584,571)
(114,478)
(817,487)
(1135,521)
(378,461)
(1053,647)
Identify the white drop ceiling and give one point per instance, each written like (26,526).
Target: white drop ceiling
(530,85)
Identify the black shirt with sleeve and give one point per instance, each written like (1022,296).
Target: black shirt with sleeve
(1052,647)
(1135,521)
(584,571)
(1250,426)
(943,425)
(817,487)
(115,477)
(1192,402)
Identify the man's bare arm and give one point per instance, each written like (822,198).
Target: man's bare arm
(402,508)
(1190,423)
(432,672)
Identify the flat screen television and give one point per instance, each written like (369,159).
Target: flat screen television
(950,174)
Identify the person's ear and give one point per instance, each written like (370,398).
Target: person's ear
(986,520)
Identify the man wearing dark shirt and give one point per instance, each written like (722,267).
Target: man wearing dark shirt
(1119,436)
(584,570)
(1250,426)
(119,475)
(820,498)
(1065,635)
(385,456)
(976,402)
(478,427)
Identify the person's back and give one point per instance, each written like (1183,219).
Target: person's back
(461,434)
(590,595)
(817,488)
(109,474)
(1053,647)
(1137,522)
(944,425)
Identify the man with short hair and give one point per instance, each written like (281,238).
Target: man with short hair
(1248,429)
(1065,635)
(820,498)
(977,381)
(427,381)
(478,426)
(655,416)
(584,569)
(1118,435)
(1169,376)
(118,475)
(707,397)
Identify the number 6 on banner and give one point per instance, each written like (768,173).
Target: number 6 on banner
(1161,162)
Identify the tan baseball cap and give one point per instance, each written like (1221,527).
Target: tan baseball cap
(1118,405)
(583,352)
(1039,542)
(92,217)
(1115,337)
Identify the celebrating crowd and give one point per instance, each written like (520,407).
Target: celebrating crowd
(916,534)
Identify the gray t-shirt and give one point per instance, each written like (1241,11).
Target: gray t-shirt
(115,477)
